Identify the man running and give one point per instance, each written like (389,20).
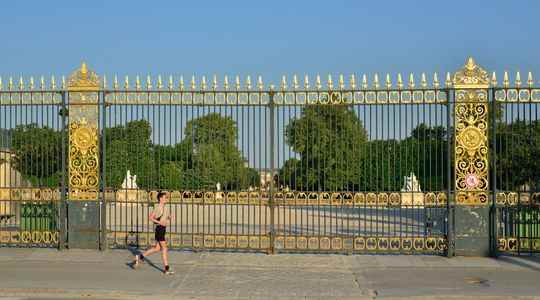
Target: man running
(161,218)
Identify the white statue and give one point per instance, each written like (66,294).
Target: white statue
(411,184)
(130,182)
(218,186)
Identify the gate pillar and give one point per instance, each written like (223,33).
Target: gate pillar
(471,164)
(83,161)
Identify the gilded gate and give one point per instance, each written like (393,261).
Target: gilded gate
(349,166)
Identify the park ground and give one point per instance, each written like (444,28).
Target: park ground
(80,274)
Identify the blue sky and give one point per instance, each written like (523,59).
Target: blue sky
(266,37)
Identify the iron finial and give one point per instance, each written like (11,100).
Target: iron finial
(214,82)
(193,84)
(260,83)
(203,83)
(364,81)
(411,81)
(518,79)
(137,82)
(388,81)
(494,79)
(506,80)
(329,82)
(423,80)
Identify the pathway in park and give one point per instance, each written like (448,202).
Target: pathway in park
(77,274)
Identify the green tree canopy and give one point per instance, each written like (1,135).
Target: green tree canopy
(329,141)
(38,153)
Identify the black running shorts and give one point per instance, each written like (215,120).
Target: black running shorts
(160,233)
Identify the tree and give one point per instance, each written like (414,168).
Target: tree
(38,154)
(129,147)
(517,152)
(209,155)
(329,141)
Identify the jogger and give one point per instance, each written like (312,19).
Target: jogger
(160,217)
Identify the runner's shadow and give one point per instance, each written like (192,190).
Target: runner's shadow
(135,251)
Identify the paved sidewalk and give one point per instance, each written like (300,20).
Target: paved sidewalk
(76,274)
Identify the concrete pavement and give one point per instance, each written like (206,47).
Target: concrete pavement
(78,274)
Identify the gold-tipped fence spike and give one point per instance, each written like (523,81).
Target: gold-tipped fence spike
(283,82)
(148,82)
(193,84)
(376,81)
(364,81)
(506,80)
(260,83)
(138,82)
(388,81)
(436,83)
(341,82)
(318,84)
(411,81)
(226,82)
(530,80)
(159,82)
(171,83)
(248,82)
(423,80)
(448,81)
(494,79)
(329,82)
(53,83)
(352,81)
(21,83)
(181,84)
(126,83)
(64,86)
(203,83)
(115,82)
(306,82)
(399,81)
(237,82)
(1,84)
(518,79)
(214,82)
(10,84)
(104,80)
(31,83)
(42,83)
(295,82)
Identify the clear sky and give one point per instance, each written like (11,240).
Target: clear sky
(267,37)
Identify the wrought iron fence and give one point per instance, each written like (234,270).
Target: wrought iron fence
(354,167)
(516,174)
(32,165)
